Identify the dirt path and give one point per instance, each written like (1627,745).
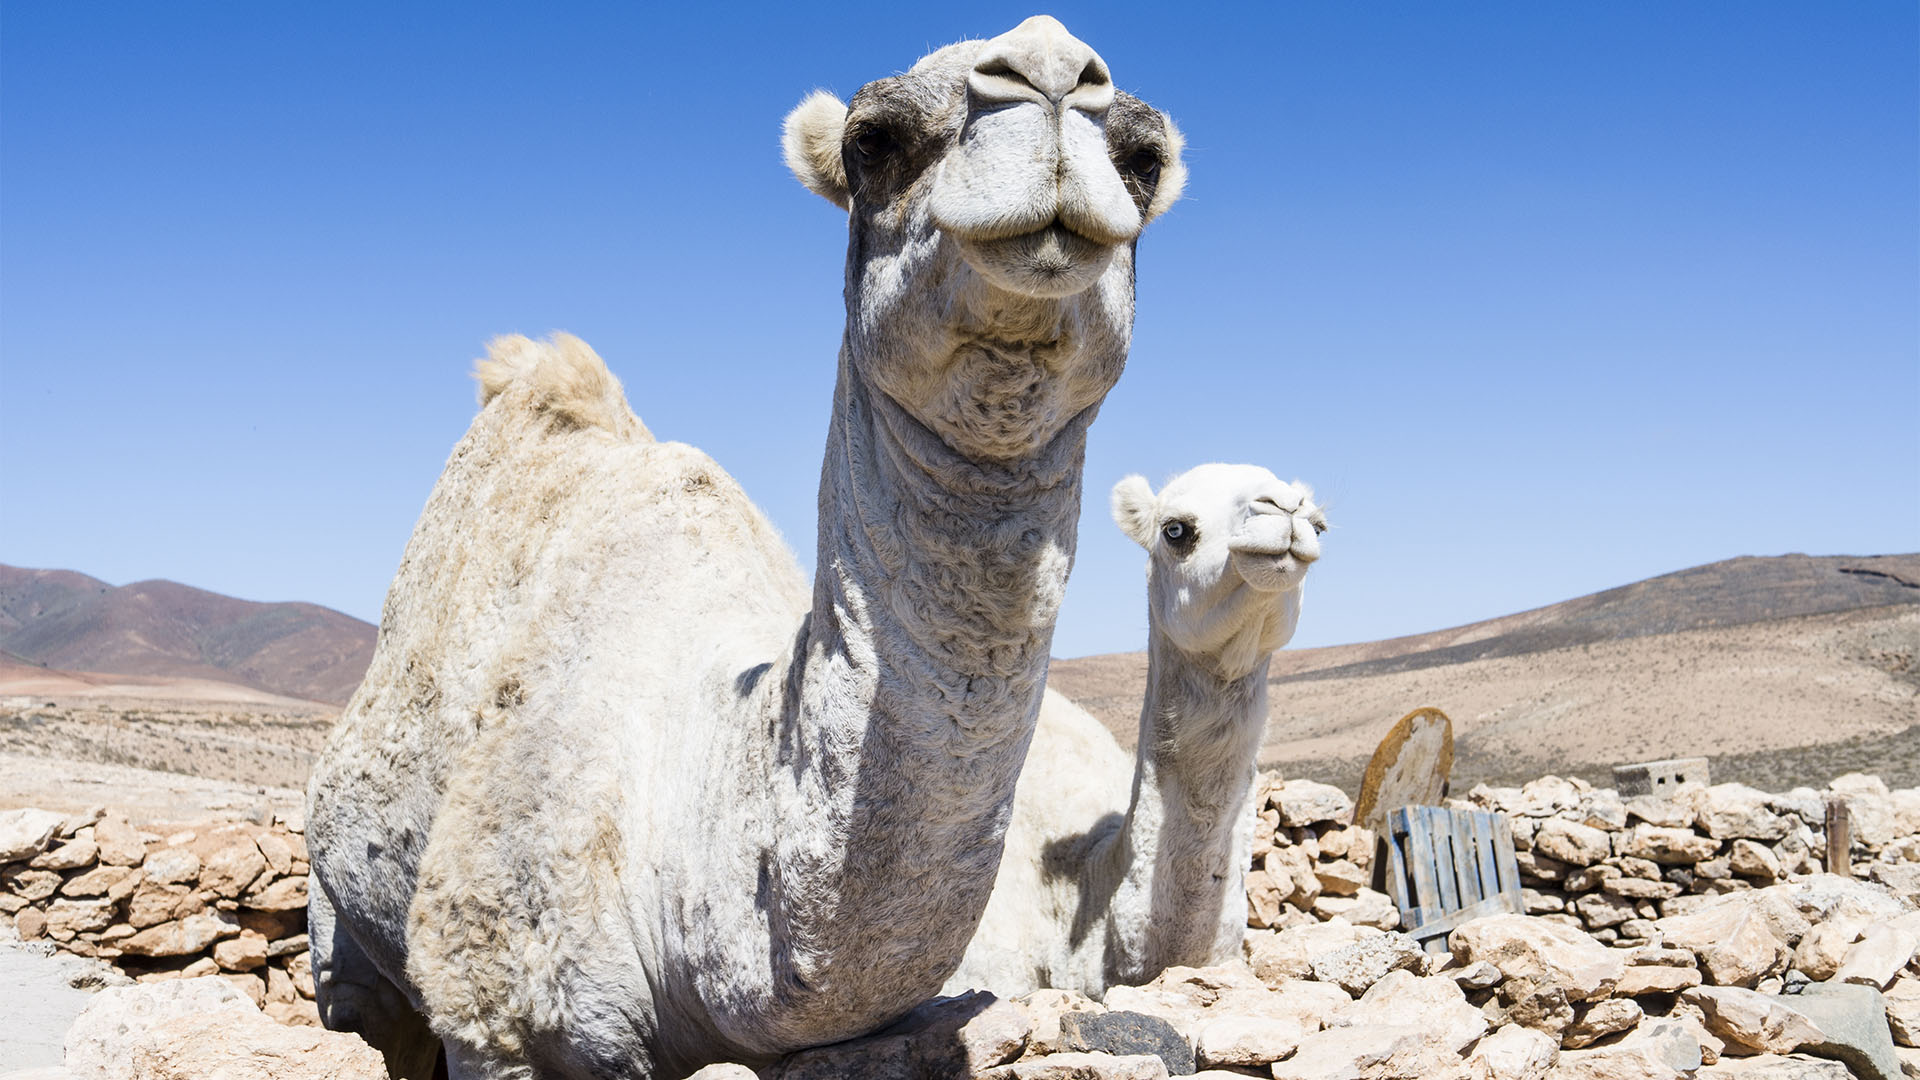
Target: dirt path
(38,1001)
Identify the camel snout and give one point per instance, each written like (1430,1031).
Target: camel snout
(1041,60)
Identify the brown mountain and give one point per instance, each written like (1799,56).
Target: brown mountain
(1753,655)
(66,620)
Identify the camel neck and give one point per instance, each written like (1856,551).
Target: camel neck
(923,662)
(1187,835)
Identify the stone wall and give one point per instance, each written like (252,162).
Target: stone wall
(167,901)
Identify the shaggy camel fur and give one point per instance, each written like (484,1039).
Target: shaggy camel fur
(1100,887)
(619,796)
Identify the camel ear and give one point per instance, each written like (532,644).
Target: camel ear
(1173,175)
(1133,509)
(812,145)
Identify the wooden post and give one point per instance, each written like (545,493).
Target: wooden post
(1839,837)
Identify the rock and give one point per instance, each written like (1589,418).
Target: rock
(1601,1019)
(1749,859)
(153,903)
(1853,1020)
(1293,864)
(29,884)
(1264,897)
(1902,878)
(1660,810)
(1903,1010)
(1571,843)
(66,918)
(300,970)
(1476,976)
(1776,1067)
(71,855)
(202,1028)
(1126,1034)
(232,866)
(120,843)
(1305,802)
(1248,1041)
(1539,1007)
(1655,979)
(183,937)
(1534,949)
(725,1070)
(1358,966)
(1733,940)
(99,881)
(1824,948)
(964,1035)
(174,865)
(31,923)
(26,833)
(1383,1051)
(1340,877)
(1512,1053)
(1603,809)
(244,953)
(252,986)
(1876,958)
(1657,1051)
(1751,1021)
(1289,954)
(285,894)
(1736,811)
(101,1040)
(1668,845)
(1434,1004)
(1641,889)
(1602,909)
(286,946)
(1077,1067)
(1542,903)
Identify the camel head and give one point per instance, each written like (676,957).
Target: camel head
(1229,546)
(994,193)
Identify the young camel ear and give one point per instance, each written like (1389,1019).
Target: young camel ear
(811,141)
(1173,175)
(1133,509)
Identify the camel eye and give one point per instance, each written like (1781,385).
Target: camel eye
(1144,164)
(1319,526)
(1178,533)
(873,143)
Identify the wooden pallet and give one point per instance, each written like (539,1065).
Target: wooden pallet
(1448,867)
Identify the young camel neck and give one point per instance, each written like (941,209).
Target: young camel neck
(1181,850)
(935,595)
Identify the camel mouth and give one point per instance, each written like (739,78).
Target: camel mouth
(1051,261)
(1268,571)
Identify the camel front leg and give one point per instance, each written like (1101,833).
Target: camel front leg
(353,996)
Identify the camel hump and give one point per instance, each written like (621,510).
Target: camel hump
(561,377)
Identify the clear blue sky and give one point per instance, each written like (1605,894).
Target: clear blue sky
(1543,298)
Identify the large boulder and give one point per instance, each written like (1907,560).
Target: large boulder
(1542,952)
(193,1029)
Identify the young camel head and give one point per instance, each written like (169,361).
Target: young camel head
(994,193)
(1229,546)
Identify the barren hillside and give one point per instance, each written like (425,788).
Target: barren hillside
(1756,662)
(66,621)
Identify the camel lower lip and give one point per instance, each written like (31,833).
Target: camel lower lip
(1053,260)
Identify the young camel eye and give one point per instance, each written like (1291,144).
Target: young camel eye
(1179,534)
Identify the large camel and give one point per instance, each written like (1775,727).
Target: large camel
(618,798)
(1116,870)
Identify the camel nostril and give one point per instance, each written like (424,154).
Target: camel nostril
(1039,56)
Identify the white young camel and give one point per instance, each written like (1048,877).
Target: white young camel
(620,796)
(1114,873)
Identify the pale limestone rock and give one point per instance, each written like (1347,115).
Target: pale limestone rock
(962,1036)
(1435,1004)
(1775,1067)
(26,833)
(173,865)
(1372,1052)
(1358,966)
(120,843)
(231,1046)
(725,1070)
(202,966)
(72,855)
(1542,1007)
(29,884)
(1044,1009)
(1655,979)
(1887,948)
(183,937)
(66,918)
(99,1045)
(1476,976)
(1733,940)
(1753,1022)
(1903,1010)
(1571,842)
(1601,1019)
(1824,948)
(231,867)
(1081,1066)
(1731,811)
(1668,845)
(284,894)
(1603,909)
(300,970)
(1305,802)
(1750,859)
(280,986)
(243,953)
(1660,810)
(1603,809)
(1525,947)
(1295,865)
(1538,902)
(154,903)
(1264,897)
(1340,877)
(98,881)
(1546,796)
(1635,888)
(1289,954)
(1656,1051)
(1853,1023)
(1512,1053)
(1248,1040)
(252,986)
